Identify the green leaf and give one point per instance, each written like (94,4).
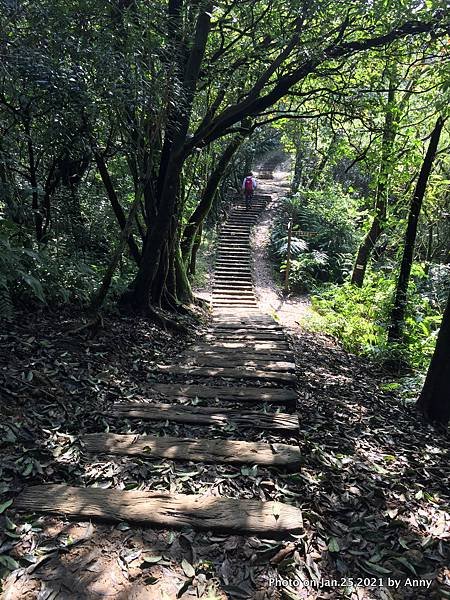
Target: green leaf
(28,469)
(5,505)
(148,558)
(376,568)
(188,569)
(34,284)
(333,545)
(9,562)
(402,560)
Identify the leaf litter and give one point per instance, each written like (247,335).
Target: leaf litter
(373,487)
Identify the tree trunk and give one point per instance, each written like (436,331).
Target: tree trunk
(195,247)
(157,275)
(204,206)
(115,204)
(434,400)
(100,295)
(382,192)
(401,294)
(298,167)
(38,218)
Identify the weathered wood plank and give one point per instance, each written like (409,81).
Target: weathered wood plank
(206,415)
(241,394)
(163,509)
(233,293)
(239,361)
(187,449)
(269,333)
(248,354)
(251,346)
(229,373)
(256,335)
(229,302)
(240,324)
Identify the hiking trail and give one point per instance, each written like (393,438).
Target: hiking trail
(241,377)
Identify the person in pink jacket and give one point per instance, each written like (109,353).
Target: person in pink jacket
(248,187)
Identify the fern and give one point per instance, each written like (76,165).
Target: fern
(6,303)
(324,237)
(15,276)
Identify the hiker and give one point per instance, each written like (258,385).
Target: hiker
(248,187)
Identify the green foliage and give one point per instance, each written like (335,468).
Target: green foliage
(323,239)
(16,279)
(28,276)
(358,317)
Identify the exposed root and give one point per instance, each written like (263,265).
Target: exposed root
(92,326)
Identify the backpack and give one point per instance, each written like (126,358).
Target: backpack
(249,184)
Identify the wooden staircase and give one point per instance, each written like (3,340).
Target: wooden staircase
(241,374)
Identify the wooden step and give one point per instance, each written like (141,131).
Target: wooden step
(217,299)
(234,266)
(246,325)
(226,274)
(163,509)
(233,244)
(231,318)
(255,335)
(205,415)
(244,289)
(251,346)
(230,292)
(246,354)
(232,250)
(237,303)
(232,260)
(233,295)
(229,373)
(243,286)
(233,280)
(185,392)
(239,361)
(202,450)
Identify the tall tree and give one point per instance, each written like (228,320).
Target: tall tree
(434,400)
(382,189)
(401,293)
(155,282)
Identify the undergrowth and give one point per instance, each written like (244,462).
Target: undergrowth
(359,318)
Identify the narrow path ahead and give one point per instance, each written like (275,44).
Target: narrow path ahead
(243,362)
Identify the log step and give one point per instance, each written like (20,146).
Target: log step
(185,449)
(236,283)
(275,332)
(247,354)
(205,415)
(229,373)
(229,302)
(248,334)
(228,291)
(244,288)
(163,509)
(241,361)
(255,346)
(233,394)
(239,325)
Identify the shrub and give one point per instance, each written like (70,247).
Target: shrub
(358,317)
(323,236)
